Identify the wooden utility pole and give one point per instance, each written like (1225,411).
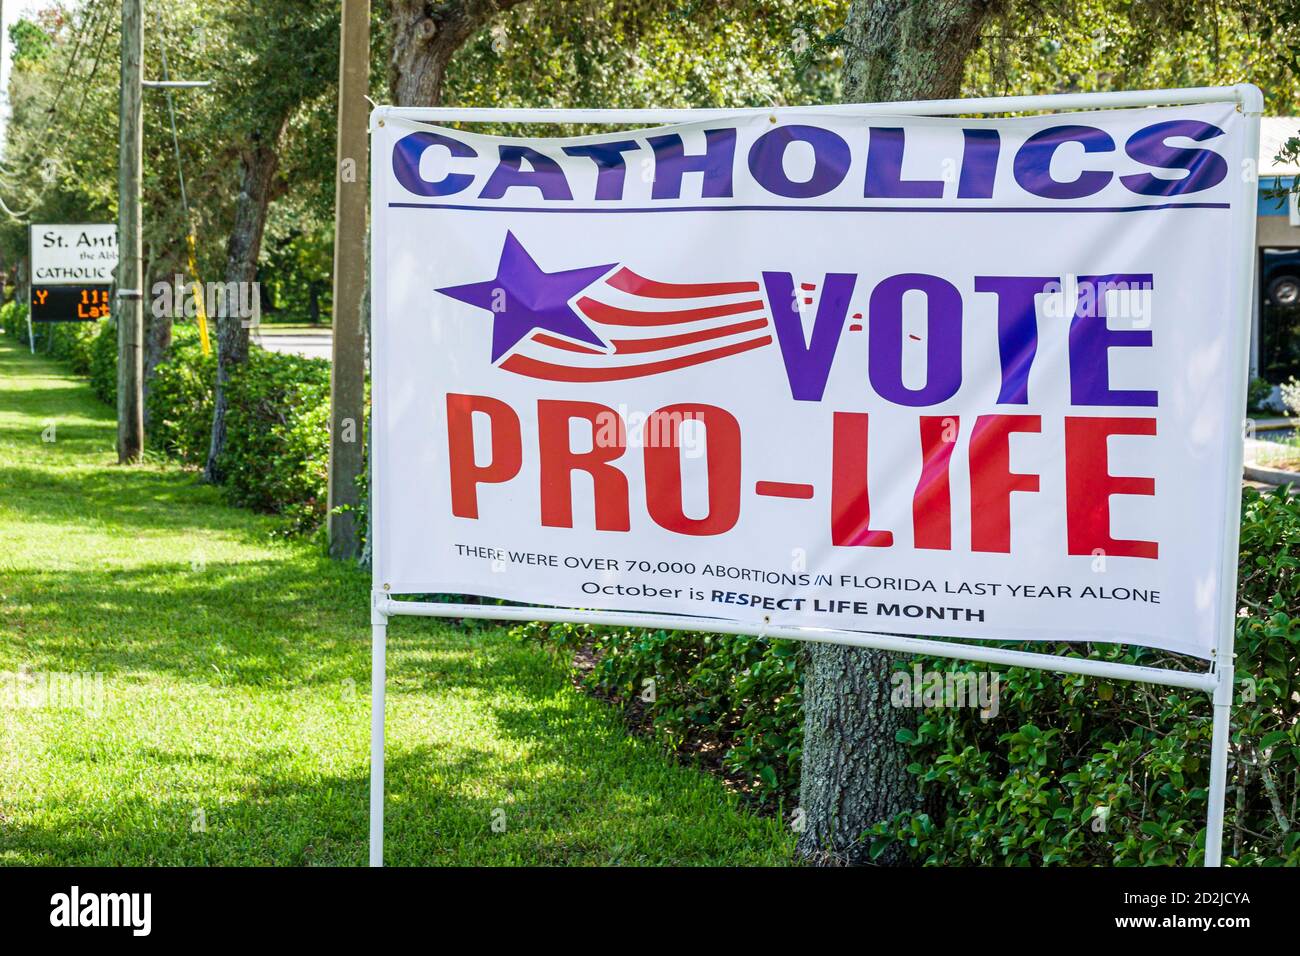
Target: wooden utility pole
(348,371)
(130,295)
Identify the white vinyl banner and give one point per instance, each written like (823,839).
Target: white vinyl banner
(940,377)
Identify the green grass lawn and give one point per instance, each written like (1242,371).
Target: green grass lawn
(234,726)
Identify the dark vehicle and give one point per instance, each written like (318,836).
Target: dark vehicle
(1280,277)
(1279,314)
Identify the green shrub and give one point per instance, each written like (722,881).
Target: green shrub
(277,422)
(103,363)
(1291,395)
(738,693)
(81,352)
(13,318)
(180,400)
(54,339)
(72,342)
(1083,771)
(277,437)
(77,343)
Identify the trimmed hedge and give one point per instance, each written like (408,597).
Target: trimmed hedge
(89,348)
(103,362)
(73,342)
(13,318)
(277,437)
(180,400)
(277,426)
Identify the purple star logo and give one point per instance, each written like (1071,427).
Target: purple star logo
(522,298)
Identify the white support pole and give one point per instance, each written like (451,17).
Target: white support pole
(378,669)
(1218,764)
(31,335)
(1250,101)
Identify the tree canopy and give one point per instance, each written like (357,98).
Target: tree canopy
(59,165)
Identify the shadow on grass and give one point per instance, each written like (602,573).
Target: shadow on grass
(54,402)
(252,622)
(550,767)
(442,809)
(132,500)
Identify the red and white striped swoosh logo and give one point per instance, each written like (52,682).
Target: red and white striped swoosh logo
(651,327)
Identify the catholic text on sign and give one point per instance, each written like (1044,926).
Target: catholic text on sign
(72,271)
(944,377)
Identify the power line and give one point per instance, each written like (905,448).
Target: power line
(171,113)
(191,241)
(76,48)
(80,28)
(94,68)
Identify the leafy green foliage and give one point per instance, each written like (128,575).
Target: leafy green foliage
(73,342)
(1080,46)
(266,60)
(13,318)
(277,441)
(179,401)
(735,697)
(297,275)
(277,446)
(76,344)
(630,53)
(61,134)
(1083,771)
(31,43)
(89,348)
(1257,393)
(1291,395)
(103,363)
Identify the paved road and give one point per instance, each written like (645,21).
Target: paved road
(308,344)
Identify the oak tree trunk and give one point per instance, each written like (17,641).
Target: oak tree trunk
(911,49)
(854,769)
(425,36)
(258,166)
(157,342)
(157,333)
(22,282)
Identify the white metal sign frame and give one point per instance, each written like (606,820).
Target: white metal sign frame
(1217,681)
